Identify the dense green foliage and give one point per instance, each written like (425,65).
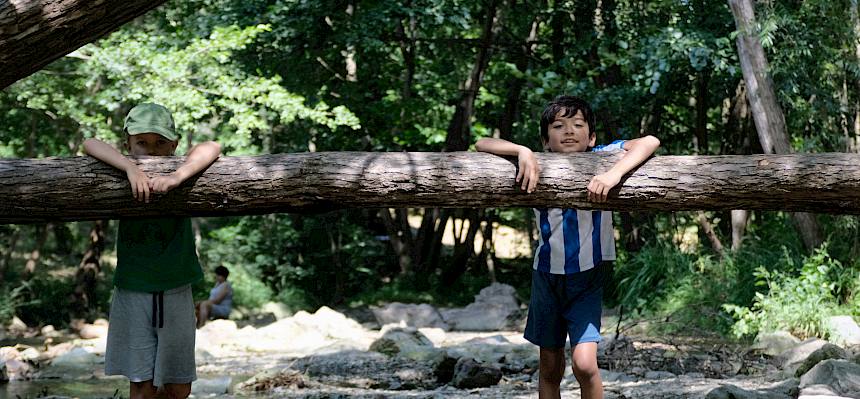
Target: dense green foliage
(266,76)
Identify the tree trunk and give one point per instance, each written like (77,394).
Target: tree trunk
(767,114)
(32,263)
(35,33)
(702,94)
(740,218)
(709,231)
(459,130)
(9,249)
(515,85)
(86,276)
(82,188)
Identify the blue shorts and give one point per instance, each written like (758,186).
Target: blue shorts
(566,305)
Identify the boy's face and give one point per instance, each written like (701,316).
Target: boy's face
(569,134)
(150,144)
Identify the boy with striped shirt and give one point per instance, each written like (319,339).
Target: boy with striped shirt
(577,247)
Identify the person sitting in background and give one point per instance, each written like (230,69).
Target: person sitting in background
(220,300)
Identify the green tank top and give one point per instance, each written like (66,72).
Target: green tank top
(155,254)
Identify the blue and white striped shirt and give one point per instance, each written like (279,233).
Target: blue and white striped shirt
(573,240)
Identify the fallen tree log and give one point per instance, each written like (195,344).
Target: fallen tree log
(82,188)
(34,33)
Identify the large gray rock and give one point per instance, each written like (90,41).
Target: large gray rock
(411,315)
(405,342)
(78,358)
(469,374)
(842,331)
(212,386)
(783,390)
(774,343)
(798,360)
(277,309)
(490,311)
(842,376)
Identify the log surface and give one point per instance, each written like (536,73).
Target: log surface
(82,188)
(35,33)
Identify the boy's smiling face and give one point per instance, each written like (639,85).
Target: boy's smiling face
(150,144)
(569,134)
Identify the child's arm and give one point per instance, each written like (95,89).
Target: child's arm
(528,171)
(103,152)
(638,150)
(200,157)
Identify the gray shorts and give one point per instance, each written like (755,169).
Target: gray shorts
(142,347)
(219,311)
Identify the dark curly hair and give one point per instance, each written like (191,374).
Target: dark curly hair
(568,106)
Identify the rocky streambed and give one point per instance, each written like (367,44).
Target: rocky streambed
(416,351)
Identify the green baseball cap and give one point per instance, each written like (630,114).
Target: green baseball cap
(150,118)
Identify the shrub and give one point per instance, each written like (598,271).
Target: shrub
(796,303)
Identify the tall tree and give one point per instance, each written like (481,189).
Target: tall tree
(767,113)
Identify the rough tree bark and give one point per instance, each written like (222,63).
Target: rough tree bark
(767,114)
(86,277)
(82,188)
(34,33)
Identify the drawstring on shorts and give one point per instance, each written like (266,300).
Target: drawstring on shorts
(158,309)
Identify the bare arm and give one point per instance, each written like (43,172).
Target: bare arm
(104,152)
(637,151)
(200,157)
(528,171)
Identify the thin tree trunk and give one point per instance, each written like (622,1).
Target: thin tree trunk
(400,241)
(701,129)
(515,85)
(709,231)
(488,250)
(739,127)
(459,130)
(767,114)
(41,232)
(740,218)
(86,277)
(7,258)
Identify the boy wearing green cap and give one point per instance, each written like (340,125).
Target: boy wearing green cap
(152,320)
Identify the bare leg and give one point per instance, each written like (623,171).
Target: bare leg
(551,372)
(203,313)
(141,390)
(585,370)
(177,391)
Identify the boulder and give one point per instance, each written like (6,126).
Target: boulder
(659,375)
(490,311)
(774,343)
(733,392)
(401,341)
(8,353)
(212,386)
(469,374)
(798,360)
(78,358)
(93,331)
(18,370)
(841,376)
(412,315)
(279,310)
(16,326)
(842,331)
